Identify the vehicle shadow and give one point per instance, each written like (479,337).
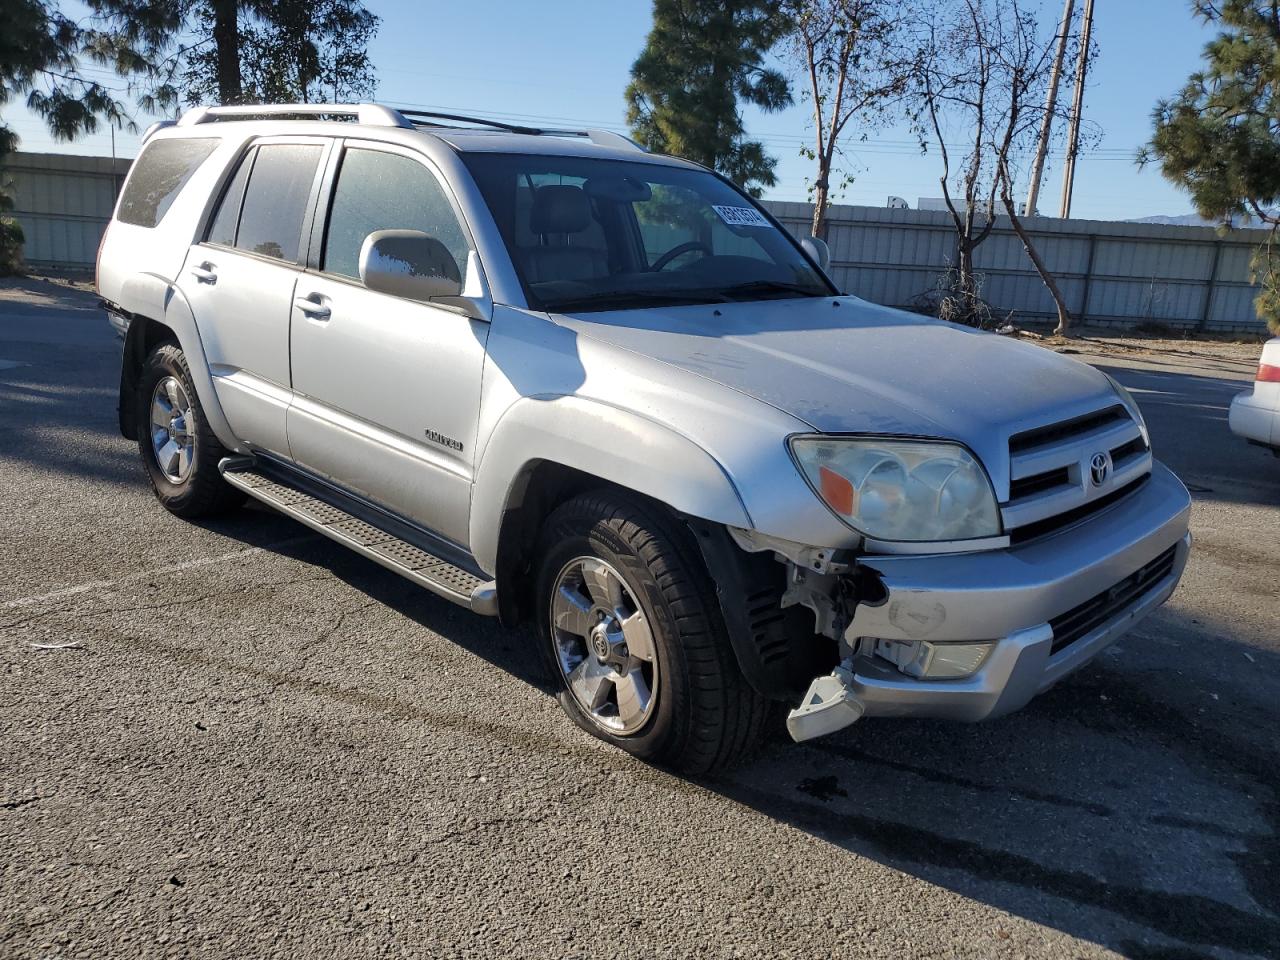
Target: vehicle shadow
(1125,803)
(1135,805)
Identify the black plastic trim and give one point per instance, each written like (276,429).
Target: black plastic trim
(776,647)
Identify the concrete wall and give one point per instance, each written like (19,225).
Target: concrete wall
(1111,273)
(63,203)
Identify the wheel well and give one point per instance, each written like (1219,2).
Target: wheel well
(538,490)
(776,647)
(144,336)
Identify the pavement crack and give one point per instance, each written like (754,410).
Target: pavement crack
(475,826)
(16,804)
(338,623)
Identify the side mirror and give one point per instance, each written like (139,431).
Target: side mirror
(409,264)
(818,251)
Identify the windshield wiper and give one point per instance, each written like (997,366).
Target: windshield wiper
(641,297)
(745,291)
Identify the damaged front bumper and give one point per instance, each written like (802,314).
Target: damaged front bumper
(1045,608)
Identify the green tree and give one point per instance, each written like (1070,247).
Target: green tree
(274,51)
(1219,138)
(42,51)
(702,58)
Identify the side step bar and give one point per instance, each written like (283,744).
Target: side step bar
(439,576)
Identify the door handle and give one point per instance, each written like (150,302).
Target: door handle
(205,273)
(312,308)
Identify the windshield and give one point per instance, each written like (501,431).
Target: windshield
(591,234)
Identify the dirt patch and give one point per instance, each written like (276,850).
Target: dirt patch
(65,292)
(1099,340)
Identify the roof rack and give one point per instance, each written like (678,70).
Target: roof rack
(423,118)
(606,138)
(373,114)
(378,115)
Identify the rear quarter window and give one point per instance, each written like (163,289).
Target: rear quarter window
(158,176)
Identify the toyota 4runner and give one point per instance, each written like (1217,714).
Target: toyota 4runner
(552,377)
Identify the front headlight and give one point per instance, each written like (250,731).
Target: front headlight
(1130,404)
(901,490)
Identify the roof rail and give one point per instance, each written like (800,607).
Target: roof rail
(373,114)
(604,138)
(158,125)
(423,118)
(378,115)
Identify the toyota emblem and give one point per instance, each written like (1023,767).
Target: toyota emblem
(1100,468)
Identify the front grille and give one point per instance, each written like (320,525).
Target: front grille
(1134,448)
(1093,613)
(1036,483)
(1056,432)
(1051,482)
(1060,521)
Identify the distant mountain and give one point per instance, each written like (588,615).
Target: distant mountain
(1186,220)
(1195,220)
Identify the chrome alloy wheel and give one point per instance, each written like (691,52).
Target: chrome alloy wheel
(172,437)
(604,646)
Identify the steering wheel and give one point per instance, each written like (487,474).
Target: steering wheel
(680,250)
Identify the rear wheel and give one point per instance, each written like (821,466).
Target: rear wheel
(631,629)
(179,450)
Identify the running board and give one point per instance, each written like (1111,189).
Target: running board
(439,576)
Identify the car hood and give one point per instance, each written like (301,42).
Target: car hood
(843,365)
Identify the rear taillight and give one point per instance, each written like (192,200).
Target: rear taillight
(1268,374)
(97,263)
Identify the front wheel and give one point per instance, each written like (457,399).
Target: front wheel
(178,448)
(631,629)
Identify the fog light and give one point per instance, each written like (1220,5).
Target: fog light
(934,661)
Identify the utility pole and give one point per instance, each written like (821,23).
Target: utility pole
(1051,103)
(115,177)
(1077,107)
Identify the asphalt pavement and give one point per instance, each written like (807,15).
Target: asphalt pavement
(236,739)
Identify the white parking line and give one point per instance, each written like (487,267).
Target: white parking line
(143,575)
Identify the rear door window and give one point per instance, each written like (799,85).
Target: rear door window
(158,176)
(275,200)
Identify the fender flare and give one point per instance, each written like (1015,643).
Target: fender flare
(618,446)
(155,300)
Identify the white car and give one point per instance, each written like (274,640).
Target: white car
(1255,414)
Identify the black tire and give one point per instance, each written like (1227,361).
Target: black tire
(202,492)
(706,716)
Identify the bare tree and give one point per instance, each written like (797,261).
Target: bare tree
(857,62)
(984,72)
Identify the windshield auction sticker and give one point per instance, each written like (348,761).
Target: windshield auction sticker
(741,216)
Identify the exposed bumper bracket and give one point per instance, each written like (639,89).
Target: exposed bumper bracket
(828,706)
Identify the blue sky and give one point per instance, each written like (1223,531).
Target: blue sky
(568,62)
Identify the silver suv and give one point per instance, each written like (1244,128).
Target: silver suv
(551,377)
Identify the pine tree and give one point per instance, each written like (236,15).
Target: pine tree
(702,58)
(42,52)
(275,51)
(1219,138)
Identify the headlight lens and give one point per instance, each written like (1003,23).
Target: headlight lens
(901,490)
(1130,404)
